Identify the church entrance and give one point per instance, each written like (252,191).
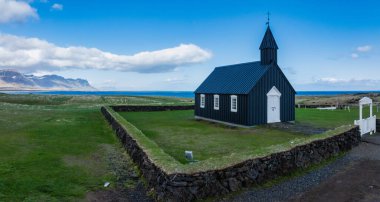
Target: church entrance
(273,105)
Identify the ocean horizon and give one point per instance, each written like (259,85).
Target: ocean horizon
(179,94)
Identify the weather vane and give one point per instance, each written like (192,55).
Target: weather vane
(268,19)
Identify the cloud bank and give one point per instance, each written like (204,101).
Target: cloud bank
(32,54)
(333,83)
(16,11)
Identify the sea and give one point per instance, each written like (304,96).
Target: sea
(179,94)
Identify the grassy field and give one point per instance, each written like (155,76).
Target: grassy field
(349,99)
(90,101)
(55,148)
(331,119)
(51,153)
(177,131)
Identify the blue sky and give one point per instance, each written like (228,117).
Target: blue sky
(174,45)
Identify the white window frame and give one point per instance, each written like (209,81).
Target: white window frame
(234,97)
(216,102)
(202,101)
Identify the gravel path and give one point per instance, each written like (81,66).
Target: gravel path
(291,189)
(288,189)
(298,128)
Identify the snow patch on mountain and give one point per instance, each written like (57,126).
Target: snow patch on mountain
(13,80)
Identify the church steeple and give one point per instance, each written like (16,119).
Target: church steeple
(268,48)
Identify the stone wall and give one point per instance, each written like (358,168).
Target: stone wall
(303,106)
(125,108)
(193,186)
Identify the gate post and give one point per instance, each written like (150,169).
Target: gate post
(367,125)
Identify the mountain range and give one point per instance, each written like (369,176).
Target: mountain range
(14,80)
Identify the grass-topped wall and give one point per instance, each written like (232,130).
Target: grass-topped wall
(214,176)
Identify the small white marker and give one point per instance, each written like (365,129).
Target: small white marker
(107,184)
(189,155)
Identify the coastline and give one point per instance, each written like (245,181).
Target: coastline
(179,94)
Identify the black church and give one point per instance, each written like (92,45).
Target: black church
(247,94)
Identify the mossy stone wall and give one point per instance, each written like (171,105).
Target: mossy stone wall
(193,186)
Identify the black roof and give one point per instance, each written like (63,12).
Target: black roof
(268,40)
(233,79)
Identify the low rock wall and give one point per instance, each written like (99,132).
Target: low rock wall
(137,108)
(193,186)
(302,106)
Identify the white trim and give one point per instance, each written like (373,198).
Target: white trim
(274,91)
(365,101)
(202,101)
(234,108)
(216,102)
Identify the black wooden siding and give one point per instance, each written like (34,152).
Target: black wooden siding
(268,55)
(252,108)
(258,97)
(224,113)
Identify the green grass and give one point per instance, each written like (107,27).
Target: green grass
(331,119)
(55,147)
(177,131)
(90,101)
(213,145)
(51,153)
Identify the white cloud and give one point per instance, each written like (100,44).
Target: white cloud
(365,48)
(174,80)
(32,54)
(16,11)
(57,7)
(354,55)
(331,80)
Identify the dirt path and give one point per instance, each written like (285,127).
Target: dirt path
(128,186)
(360,181)
(298,128)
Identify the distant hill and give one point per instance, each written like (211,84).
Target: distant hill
(13,80)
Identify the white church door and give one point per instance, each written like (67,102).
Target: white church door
(273,105)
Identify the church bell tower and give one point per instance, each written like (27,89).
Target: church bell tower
(268,48)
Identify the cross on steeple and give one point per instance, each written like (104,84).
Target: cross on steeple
(268,19)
